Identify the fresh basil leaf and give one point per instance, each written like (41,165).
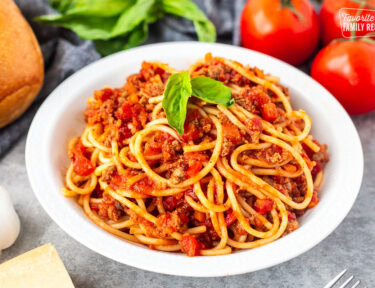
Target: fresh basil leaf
(88,28)
(99,8)
(96,8)
(176,95)
(122,21)
(205,30)
(135,38)
(98,28)
(186,8)
(132,17)
(211,91)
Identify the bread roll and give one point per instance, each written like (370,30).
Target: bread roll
(21,63)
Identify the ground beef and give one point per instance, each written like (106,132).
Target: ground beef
(171,149)
(252,98)
(178,175)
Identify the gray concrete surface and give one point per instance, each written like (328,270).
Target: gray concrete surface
(351,245)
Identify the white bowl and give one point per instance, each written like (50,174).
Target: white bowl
(61,117)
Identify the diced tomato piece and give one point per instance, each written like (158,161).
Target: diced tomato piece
(81,165)
(125,113)
(230,217)
(190,245)
(232,133)
(145,186)
(194,169)
(263,206)
(191,133)
(269,112)
(195,161)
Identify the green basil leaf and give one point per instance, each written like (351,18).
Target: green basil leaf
(96,8)
(132,17)
(99,28)
(88,28)
(188,9)
(206,31)
(211,91)
(176,96)
(135,38)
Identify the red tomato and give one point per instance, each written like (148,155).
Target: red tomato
(81,165)
(269,26)
(263,205)
(329,17)
(144,186)
(191,132)
(194,169)
(230,217)
(232,133)
(347,70)
(171,202)
(269,112)
(190,245)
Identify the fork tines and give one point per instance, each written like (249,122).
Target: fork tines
(346,284)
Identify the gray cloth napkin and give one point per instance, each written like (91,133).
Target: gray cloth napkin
(64,53)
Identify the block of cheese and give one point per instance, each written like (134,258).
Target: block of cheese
(38,268)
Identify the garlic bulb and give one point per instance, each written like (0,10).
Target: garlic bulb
(9,221)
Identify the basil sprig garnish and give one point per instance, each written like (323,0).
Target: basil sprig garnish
(180,88)
(116,25)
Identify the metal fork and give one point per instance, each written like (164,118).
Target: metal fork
(345,284)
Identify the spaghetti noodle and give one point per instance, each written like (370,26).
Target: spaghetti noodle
(238,177)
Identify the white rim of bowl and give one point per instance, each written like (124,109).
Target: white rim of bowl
(178,264)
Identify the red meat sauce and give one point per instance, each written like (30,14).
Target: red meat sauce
(255,98)
(126,110)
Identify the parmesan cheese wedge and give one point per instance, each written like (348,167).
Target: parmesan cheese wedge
(38,268)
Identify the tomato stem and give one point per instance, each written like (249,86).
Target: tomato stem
(289,5)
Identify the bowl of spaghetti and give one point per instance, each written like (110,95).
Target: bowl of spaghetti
(191,149)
